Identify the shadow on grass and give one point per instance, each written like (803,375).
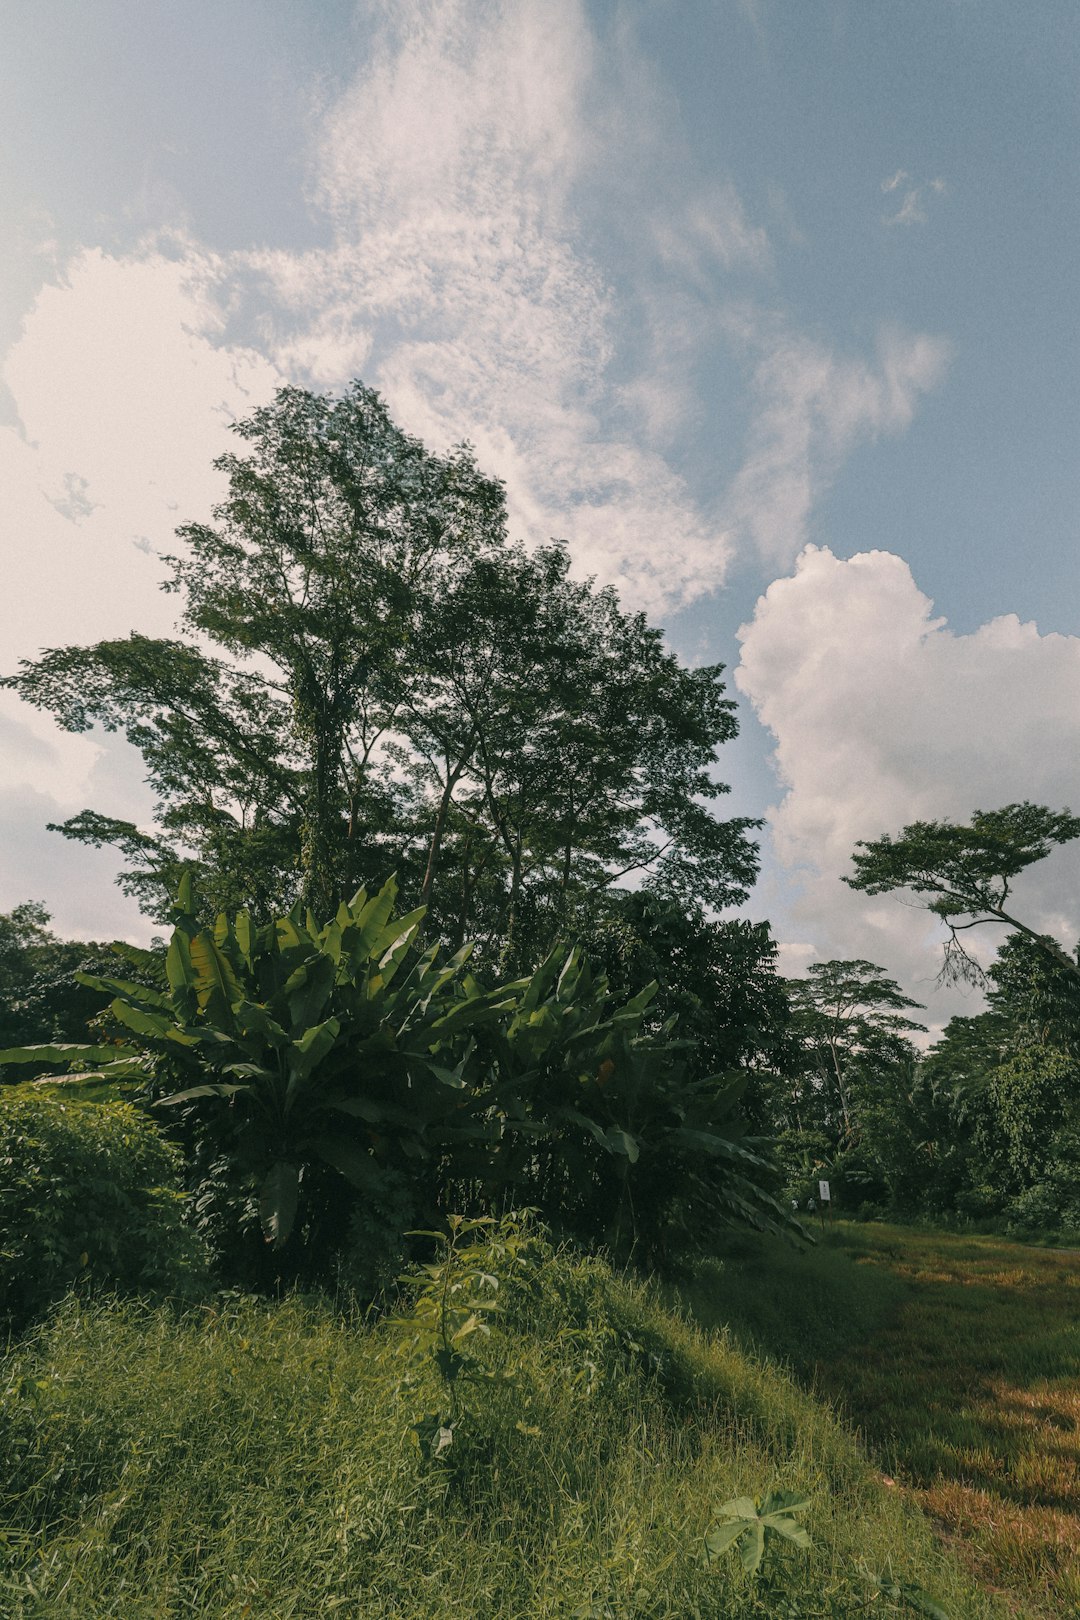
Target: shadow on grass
(957,1358)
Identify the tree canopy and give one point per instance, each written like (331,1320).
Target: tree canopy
(369,677)
(968,871)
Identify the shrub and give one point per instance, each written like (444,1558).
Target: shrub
(89,1196)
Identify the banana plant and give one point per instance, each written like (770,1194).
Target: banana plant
(289,1047)
(328,1045)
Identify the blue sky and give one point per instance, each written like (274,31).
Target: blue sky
(767,307)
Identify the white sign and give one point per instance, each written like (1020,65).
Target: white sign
(823,1191)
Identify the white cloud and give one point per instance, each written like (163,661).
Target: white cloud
(912,209)
(812,407)
(124,397)
(882,715)
(449,170)
(711,231)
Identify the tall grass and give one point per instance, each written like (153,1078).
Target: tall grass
(256,1460)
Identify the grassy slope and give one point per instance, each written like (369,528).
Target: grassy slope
(254,1460)
(958,1358)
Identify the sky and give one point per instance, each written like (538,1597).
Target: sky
(769,309)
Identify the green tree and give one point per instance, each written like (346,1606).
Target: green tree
(849,1020)
(370,678)
(40,999)
(968,872)
(716,977)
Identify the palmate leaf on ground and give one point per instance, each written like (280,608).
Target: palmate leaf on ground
(750,1522)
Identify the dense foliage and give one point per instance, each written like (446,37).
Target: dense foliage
(346,1084)
(371,679)
(90,1196)
(40,998)
(987,1125)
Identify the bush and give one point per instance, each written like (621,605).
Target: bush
(89,1196)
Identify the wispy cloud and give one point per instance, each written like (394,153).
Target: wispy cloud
(449,169)
(910,196)
(463,278)
(811,408)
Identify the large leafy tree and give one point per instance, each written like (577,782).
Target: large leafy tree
(370,678)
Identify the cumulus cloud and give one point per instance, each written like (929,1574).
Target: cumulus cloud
(882,715)
(812,407)
(124,395)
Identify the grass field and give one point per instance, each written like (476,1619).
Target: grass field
(958,1358)
(253,1461)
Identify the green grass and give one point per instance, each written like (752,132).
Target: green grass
(255,1460)
(958,1358)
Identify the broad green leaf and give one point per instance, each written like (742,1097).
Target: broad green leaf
(740,1507)
(635,1008)
(249,1071)
(66,1052)
(369,922)
(245,933)
(148,961)
(179,969)
(784,1502)
(372,1113)
(308,1052)
(720,1539)
(308,989)
(253,1019)
(789,1529)
(449,1077)
(288,935)
(619,1141)
(213,972)
(350,1160)
(537,987)
(123,987)
(193,1092)
(278,1199)
(141,1021)
(752,1546)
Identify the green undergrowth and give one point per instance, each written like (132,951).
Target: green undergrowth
(276,1459)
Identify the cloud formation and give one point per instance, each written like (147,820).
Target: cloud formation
(883,715)
(910,197)
(448,170)
(811,408)
(467,179)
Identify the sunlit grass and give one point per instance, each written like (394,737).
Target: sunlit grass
(253,1462)
(962,1371)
